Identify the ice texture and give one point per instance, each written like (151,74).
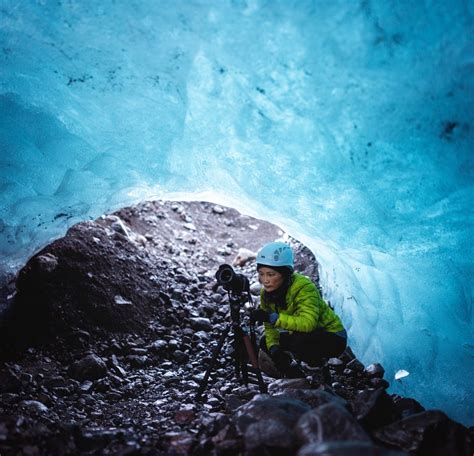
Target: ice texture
(348,123)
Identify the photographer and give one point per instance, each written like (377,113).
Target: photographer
(295,317)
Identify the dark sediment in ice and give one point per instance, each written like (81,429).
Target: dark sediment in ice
(112,328)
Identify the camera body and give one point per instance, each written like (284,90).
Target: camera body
(231,281)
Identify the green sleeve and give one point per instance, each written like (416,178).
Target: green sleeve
(272,335)
(308,304)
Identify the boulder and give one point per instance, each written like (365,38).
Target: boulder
(427,433)
(406,406)
(346,449)
(329,422)
(271,435)
(87,280)
(375,371)
(201,324)
(286,411)
(373,408)
(91,367)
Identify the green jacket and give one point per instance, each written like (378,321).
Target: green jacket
(305,311)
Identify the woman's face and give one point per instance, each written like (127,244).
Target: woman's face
(270,279)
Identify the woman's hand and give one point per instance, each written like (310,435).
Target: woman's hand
(262,316)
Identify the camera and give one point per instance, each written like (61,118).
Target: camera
(231,281)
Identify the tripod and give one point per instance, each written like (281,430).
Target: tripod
(243,343)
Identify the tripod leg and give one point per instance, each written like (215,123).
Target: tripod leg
(253,360)
(217,350)
(242,360)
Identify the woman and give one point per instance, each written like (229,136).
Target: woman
(295,317)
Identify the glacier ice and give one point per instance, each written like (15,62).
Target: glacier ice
(349,124)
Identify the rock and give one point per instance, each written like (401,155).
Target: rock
(189,226)
(218,209)
(159,346)
(329,422)
(233,402)
(263,407)
(119,300)
(373,408)
(285,384)
(201,324)
(91,367)
(217,297)
(355,365)
(269,436)
(336,364)
(9,381)
(313,397)
(180,443)
(137,361)
(86,386)
(94,440)
(346,449)
(347,355)
(405,406)
(34,406)
(180,356)
(78,290)
(430,433)
(379,383)
(46,263)
(226,441)
(375,370)
(255,288)
(243,256)
(185,414)
(118,225)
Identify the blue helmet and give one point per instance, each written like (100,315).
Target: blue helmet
(276,254)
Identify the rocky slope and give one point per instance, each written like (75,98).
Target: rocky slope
(111,328)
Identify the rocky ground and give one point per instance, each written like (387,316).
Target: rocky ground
(111,329)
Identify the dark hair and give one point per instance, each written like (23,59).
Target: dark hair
(284,270)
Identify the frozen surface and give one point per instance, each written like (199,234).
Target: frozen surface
(350,124)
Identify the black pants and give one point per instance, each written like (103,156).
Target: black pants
(310,347)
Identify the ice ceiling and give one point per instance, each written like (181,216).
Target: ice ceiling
(348,123)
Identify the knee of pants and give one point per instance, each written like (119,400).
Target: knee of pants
(263,344)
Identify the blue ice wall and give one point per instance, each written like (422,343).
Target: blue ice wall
(348,123)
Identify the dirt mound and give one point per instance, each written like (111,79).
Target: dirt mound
(119,272)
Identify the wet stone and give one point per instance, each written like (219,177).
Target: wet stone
(355,365)
(314,397)
(284,384)
(201,324)
(329,422)
(34,406)
(269,434)
(158,346)
(375,370)
(430,430)
(346,449)
(91,367)
(373,408)
(137,361)
(336,364)
(262,407)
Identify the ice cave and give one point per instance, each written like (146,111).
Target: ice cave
(347,123)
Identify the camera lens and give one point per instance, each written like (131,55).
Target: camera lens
(231,281)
